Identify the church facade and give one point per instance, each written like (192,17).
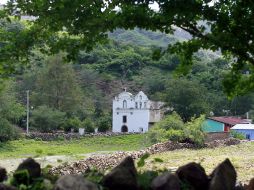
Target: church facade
(135,113)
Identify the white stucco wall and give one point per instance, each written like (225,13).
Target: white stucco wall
(136,111)
(136,119)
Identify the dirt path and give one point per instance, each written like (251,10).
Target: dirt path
(12,163)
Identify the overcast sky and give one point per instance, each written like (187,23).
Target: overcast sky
(3,1)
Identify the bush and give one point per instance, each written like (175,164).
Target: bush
(193,130)
(237,135)
(175,135)
(166,129)
(46,119)
(72,123)
(104,123)
(156,134)
(7,131)
(172,121)
(172,128)
(88,125)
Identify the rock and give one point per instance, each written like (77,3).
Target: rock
(123,176)
(166,181)
(194,174)
(74,182)
(251,185)
(3,174)
(231,141)
(7,187)
(223,177)
(239,187)
(31,166)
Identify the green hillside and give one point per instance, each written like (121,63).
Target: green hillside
(81,93)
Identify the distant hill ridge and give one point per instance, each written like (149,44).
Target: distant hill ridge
(142,37)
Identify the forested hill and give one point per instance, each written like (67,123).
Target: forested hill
(84,89)
(144,38)
(148,38)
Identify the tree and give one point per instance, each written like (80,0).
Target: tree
(11,111)
(57,87)
(188,98)
(241,105)
(224,25)
(7,131)
(88,125)
(10,108)
(104,123)
(72,123)
(12,44)
(46,119)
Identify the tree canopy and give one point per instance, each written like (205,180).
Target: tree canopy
(225,26)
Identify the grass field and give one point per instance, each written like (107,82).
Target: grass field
(32,148)
(242,157)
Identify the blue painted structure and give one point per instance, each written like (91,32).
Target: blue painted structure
(246,129)
(213,126)
(248,133)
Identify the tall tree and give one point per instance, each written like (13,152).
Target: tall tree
(188,98)
(57,87)
(225,25)
(10,108)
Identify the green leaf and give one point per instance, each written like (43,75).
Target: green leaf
(158,160)
(141,162)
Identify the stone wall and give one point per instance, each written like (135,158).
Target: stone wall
(216,136)
(104,162)
(69,136)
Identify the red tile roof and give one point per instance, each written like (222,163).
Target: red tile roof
(229,120)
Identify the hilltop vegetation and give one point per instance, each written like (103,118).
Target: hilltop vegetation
(148,38)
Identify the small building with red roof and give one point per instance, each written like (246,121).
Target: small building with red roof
(222,124)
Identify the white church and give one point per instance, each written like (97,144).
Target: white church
(135,113)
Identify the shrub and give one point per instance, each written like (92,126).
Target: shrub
(46,119)
(156,134)
(172,128)
(88,125)
(7,131)
(165,129)
(193,130)
(104,123)
(72,123)
(175,135)
(237,135)
(172,121)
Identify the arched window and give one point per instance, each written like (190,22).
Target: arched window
(140,97)
(144,104)
(124,104)
(140,105)
(136,104)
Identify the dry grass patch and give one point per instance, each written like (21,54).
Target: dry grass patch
(242,157)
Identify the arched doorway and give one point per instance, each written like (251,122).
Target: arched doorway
(124,129)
